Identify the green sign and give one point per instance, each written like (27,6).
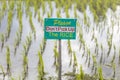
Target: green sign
(58,28)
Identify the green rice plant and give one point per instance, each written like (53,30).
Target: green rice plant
(2,39)
(20,23)
(67,11)
(101,58)
(28,44)
(85,18)
(8,59)
(57,3)
(75,63)
(16,44)
(32,25)
(119,57)
(80,76)
(42,46)
(58,13)
(43,6)
(56,57)
(27,7)
(10,14)
(88,52)
(69,51)
(100,73)
(40,67)
(19,8)
(114,68)
(12,78)
(113,59)
(81,40)
(39,17)
(51,8)
(4,6)
(109,44)
(35,8)
(75,11)
(25,66)
(96,46)
(3,72)
(94,63)
(11,5)
(48,14)
(3,10)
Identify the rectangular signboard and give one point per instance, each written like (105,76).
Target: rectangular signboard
(59,28)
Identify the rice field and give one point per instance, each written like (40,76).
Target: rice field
(26,55)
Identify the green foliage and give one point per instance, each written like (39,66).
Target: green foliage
(10,14)
(42,46)
(70,52)
(55,57)
(80,76)
(40,67)
(100,73)
(8,56)
(32,25)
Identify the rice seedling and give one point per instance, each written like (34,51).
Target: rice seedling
(4,6)
(3,72)
(10,14)
(101,58)
(32,25)
(51,8)
(55,57)
(75,63)
(16,44)
(8,59)
(2,13)
(27,44)
(25,66)
(26,47)
(57,3)
(69,51)
(11,5)
(35,8)
(48,15)
(19,32)
(75,11)
(42,46)
(43,6)
(88,52)
(109,44)
(27,7)
(67,11)
(94,63)
(58,13)
(39,17)
(19,8)
(96,46)
(119,57)
(40,67)
(2,39)
(12,78)
(114,68)
(80,76)
(114,55)
(81,40)
(100,73)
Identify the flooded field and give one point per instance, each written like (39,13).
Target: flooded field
(26,55)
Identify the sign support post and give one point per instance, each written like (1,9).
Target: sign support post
(60,61)
(59,28)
